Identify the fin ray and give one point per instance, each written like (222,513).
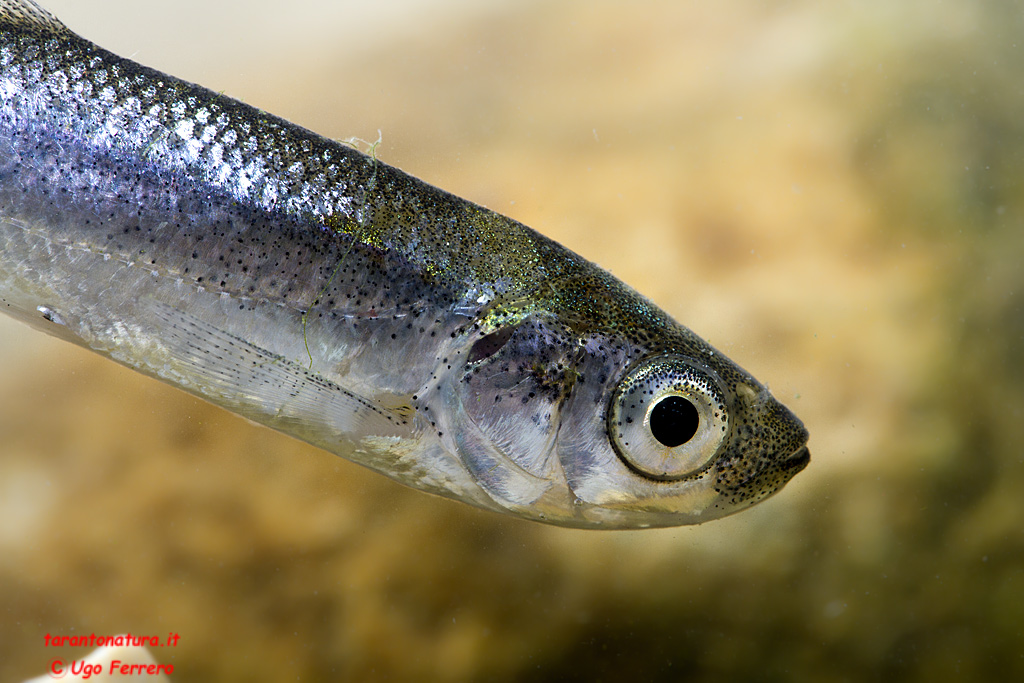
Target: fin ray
(269,388)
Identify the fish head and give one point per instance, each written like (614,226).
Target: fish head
(680,440)
(598,429)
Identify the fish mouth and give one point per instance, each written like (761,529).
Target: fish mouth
(797,460)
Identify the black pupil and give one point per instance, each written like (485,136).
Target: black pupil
(674,421)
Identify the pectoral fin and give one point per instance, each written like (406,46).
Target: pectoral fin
(269,388)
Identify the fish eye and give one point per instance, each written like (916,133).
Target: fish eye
(668,418)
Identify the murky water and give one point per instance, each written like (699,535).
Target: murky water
(829,193)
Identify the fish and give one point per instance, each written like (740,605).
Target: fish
(310,287)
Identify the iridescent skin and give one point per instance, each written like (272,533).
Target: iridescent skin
(317,290)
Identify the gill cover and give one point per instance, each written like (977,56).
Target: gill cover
(510,396)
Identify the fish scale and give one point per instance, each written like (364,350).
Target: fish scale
(315,289)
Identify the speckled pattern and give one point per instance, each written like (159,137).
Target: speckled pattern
(120,185)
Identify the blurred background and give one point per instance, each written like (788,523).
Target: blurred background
(829,192)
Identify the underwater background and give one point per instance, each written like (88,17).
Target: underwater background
(830,193)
